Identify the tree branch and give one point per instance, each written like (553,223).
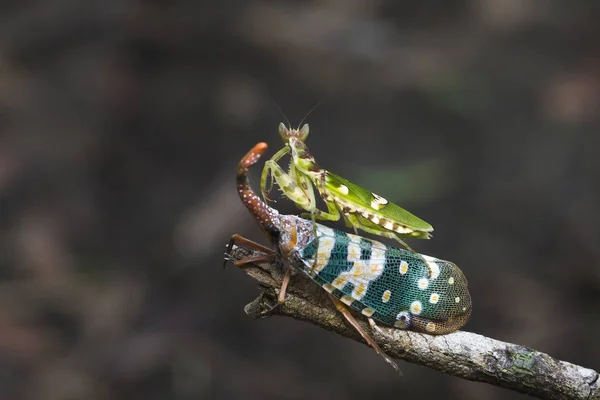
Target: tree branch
(462,354)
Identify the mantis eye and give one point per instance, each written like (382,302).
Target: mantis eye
(284,132)
(303,132)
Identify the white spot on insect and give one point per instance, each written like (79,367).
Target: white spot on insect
(359,291)
(363,272)
(339,282)
(323,254)
(403,229)
(346,207)
(374,219)
(328,287)
(354,239)
(298,193)
(451,280)
(403,267)
(402,320)
(347,300)
(387,224)
(416,307)
(434,268)
(323,230)
(434,298)
(378,202)
(344,189)
(386,296)
(465,308)
(354,251)
(368,312)
(430,327)
(423,283)
(457,299)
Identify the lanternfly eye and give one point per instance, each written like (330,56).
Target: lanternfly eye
(403,320)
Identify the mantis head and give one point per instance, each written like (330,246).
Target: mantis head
(288,133)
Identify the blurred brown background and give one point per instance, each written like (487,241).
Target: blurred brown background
(121,124)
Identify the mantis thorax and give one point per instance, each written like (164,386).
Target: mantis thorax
(302,158)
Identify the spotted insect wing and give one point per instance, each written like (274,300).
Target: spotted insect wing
(393,286)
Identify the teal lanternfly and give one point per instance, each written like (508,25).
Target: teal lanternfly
(361,208)
(387,285)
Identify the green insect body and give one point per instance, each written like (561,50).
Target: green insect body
(360,208)
(391,286)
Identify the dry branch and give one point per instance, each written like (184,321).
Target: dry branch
(462,354)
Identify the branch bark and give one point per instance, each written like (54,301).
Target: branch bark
(462,354)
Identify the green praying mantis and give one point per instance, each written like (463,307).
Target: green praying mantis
(360,208)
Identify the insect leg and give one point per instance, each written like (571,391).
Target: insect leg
(332,213)
(376,327)
(415,253)
(355,220)
(265,175)
(289,186)
(352,321)
(404,244)
(281,297)
(240,240)
(269,256)
(352,219)
(306,185)
(284,285)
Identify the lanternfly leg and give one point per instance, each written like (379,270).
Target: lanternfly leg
(284,285)
(282,292)
(269,256)
(238,239)
(350,318)
(376,327)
